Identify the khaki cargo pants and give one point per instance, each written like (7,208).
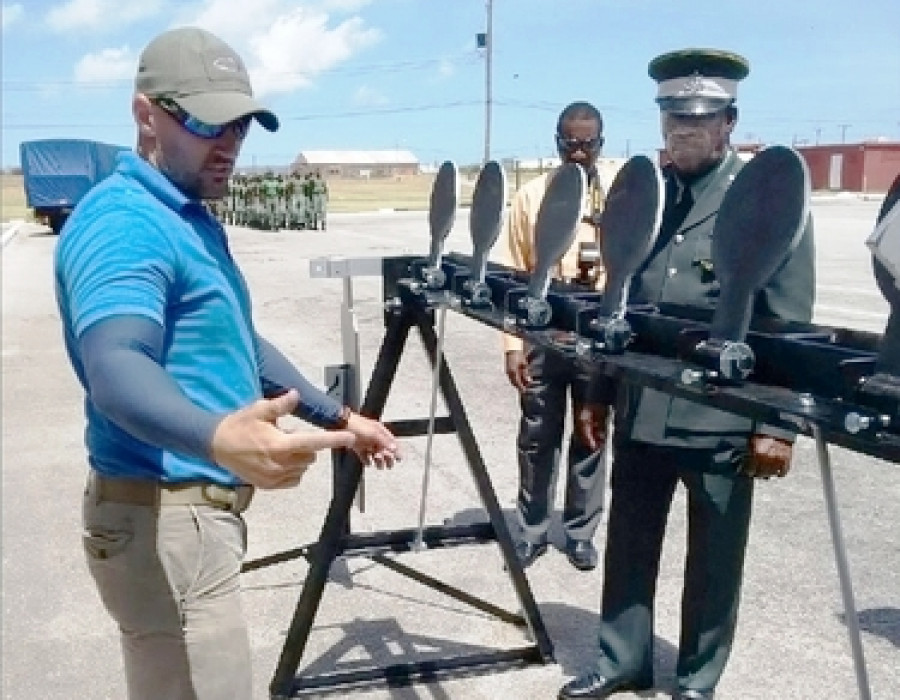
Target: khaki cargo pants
(169,576)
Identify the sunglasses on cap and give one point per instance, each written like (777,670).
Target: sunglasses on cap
(572,145)
(199,128)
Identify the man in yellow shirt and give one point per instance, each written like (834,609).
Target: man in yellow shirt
(544,379)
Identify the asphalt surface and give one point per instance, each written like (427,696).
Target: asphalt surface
(792,640)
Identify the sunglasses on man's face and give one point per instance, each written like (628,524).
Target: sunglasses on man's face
(572,145)
(199,128)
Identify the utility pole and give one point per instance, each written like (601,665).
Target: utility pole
(489,49)
(844,128)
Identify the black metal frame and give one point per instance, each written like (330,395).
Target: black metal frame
(805,376)
(336,539)
(811,379)
(832,384)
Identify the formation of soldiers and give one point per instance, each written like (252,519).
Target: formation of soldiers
(274,201)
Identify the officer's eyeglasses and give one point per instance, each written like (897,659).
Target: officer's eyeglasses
(572,145)
(200,128)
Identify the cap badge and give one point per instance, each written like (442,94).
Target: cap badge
(226,63)
(693,86)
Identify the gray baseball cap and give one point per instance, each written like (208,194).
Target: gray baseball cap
(202,74)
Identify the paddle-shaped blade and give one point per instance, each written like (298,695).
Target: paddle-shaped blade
(760,221)
(629,223)
(486,215)
(442,212)
(885,262)
(557,219)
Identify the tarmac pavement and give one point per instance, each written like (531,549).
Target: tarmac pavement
(792,641)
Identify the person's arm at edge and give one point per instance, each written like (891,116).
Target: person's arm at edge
(278,374)
(374,441)
(127,383)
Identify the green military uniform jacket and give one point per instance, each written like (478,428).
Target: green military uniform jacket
(680,274)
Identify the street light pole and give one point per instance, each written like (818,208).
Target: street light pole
(489,49)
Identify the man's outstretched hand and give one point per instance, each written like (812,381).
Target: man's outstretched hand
(249,444)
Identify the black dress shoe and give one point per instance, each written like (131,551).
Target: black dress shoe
(593,685)
(527,552)
(582,554)
(691,694)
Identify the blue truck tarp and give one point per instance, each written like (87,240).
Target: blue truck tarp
(59,172)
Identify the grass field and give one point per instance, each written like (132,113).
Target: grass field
(345,195)
(12,206)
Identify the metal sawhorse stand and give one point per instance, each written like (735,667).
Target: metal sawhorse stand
(336,539)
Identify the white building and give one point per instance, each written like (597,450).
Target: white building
(359,164)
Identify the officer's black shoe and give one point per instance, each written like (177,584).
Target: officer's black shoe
(593,685)
(527,552)
(691,694)
(582,554)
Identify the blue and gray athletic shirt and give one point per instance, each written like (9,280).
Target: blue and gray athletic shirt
(158,327)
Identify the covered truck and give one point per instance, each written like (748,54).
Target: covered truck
(59,172)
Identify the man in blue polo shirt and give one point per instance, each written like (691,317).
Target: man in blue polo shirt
(182,395)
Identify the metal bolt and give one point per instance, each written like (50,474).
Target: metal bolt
(583,347)
(854,422)
(691,376)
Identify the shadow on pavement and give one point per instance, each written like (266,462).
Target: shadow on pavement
(882,622)
(368,644)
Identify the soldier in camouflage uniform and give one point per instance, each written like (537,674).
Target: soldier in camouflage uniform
(319,201)
(308,199)
(240,200)
(296,204)
(257,202)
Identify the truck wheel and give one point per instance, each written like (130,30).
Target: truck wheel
(57,220)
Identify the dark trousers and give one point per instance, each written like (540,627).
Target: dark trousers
(540,440)
(643,482)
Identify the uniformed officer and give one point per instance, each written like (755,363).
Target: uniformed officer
(240,199)
(308,195)
(294,201)
(270,201)
(319,201)
(660,441)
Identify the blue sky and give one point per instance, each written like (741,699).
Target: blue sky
(407,74)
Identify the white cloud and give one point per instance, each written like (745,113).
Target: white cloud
(300,45)
(369,97)
(446,68)
(106,65)
(230,19)
(284,45)
(99,15)
(11,14)
(344,5)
